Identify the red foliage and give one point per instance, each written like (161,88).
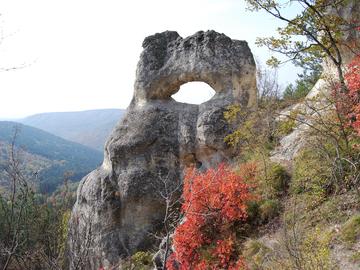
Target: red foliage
(352,78)
(213,202)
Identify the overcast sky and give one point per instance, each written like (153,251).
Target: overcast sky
(82,54)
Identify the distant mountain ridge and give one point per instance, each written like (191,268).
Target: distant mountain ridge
(90,128)
(48,155)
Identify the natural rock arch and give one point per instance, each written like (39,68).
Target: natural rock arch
(194,93)
(119,202)
(168,61)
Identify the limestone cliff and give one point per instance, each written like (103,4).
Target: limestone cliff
(118,205)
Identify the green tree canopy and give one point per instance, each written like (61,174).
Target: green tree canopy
(315,32)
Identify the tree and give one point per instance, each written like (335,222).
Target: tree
(33,231)
(215,203)
(353,81)
(17,210)
(267,84)
(307,79)
(170,193)
(317,31)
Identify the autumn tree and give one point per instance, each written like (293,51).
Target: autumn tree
(352,77)
(215,203)
(317,31)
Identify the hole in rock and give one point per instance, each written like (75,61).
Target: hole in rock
(194,93)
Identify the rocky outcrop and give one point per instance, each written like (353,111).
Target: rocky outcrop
(118,205)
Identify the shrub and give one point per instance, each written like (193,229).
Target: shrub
(142,257)
(253,211)
(254,130)
(215,202)
(286,126)
(255,253)
(272,179)
(269,209)
(315,250)
(278,178)
(311,174)
(353,105)
(299,248)
(355,257)
(351,230)
(272,182)
(141,260)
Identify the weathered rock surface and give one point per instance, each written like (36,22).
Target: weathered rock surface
(118,205)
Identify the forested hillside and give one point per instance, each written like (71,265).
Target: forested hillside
(47,156)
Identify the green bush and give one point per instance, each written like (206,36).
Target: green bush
(351,230)
(260,212)
(278,178)
(273,180)
(355,257)
(142,260)
(296,249)
(286,126)
(315,250)
(253,211)
(269,209)
(311,174)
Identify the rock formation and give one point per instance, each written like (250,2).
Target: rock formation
(118,205)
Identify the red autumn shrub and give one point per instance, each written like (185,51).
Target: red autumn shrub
(214,201)
(352,78)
